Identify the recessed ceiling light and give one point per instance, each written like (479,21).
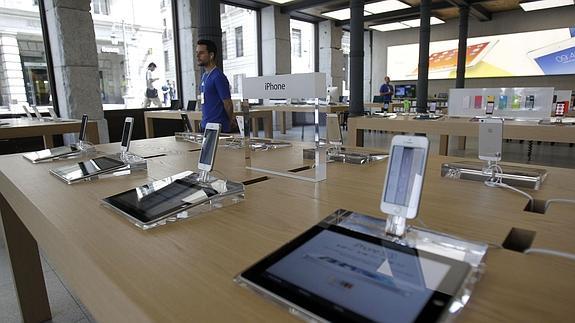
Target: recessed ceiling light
(544,4)
(342,14)
(417,22)
(369,9)
(385,6)
(281,1)
(390,26)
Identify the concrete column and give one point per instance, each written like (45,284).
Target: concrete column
(276,48)
(368,66)
(210,25)
(462,48)
(331,56)
(75,59)
(12,87)
(276,44)
(188,31)
(356,61)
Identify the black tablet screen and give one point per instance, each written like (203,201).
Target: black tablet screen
(148,204)
(344,277)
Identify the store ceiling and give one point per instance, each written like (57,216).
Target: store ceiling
(313,10)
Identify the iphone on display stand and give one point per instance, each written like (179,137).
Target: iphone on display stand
(490,139)
(241,126)
(490,105)
(187,122)
(83,127)
(209,147)
(36,112)
(403,181)
(127,134)
(53,114)
(28,115)
(560,109)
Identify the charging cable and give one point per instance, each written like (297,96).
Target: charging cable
(567,255)
(496,180)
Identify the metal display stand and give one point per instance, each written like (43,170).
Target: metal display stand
(307,85)
(512,175)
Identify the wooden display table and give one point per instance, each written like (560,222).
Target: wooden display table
(23,127)
(196,116)
(455,126)
(184,271)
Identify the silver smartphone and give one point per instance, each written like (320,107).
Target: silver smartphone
(83,127)
(36,112)
(241,126)
(404,177)
(53,114)
(490,139)
(209,146)
(187,122)
(28,115)
(127,134)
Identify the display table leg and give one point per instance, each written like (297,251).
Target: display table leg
(26,267)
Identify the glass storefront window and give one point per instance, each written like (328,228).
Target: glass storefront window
(23,69)
(239,45)
(302,46)
(129,36)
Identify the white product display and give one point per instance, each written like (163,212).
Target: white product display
(518,103)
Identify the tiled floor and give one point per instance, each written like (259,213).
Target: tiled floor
(66,308)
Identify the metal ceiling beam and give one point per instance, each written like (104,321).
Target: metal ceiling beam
(399,14)
(305,4)
(476,11)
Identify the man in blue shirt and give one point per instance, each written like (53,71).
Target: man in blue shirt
(215,97)
(386,90)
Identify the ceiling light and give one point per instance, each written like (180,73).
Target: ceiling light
(369,9)
(342,14)
(544,4)
(417,22)
(281,1)
(385,6)
(390,26)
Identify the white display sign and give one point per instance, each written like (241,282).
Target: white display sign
(288,86)
(519,102)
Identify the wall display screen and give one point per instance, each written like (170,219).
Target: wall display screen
(546,52)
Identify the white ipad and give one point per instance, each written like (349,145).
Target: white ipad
(36,112)
(555,58)
(83,127)
(209,146)
(404,177)
(490,139)
(127,134)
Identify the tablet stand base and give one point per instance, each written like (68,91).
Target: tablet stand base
(189,136)
(133,164)
(256,144)
(347,156)
(512,175)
